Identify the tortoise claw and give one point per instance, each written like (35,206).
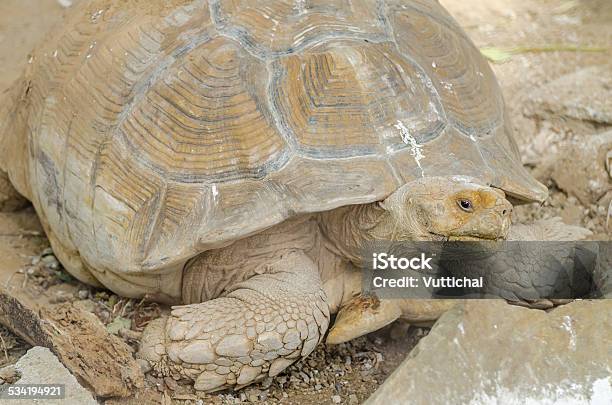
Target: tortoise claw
(361,316)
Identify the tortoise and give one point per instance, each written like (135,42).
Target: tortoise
(234,157)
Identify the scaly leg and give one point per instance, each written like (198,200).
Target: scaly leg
(256,329)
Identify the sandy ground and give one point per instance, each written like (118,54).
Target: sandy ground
(23,24)
(347,373)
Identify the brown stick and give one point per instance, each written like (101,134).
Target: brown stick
(100,361)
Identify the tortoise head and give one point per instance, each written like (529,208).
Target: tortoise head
(445,208)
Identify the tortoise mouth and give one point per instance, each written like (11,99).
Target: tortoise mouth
(437,237)
(460,238)
(472,238)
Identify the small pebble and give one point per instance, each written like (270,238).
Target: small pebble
(145,366)
(266,383)
(336,399)
(170,383)
(49,260)
(9,374)
(186,397)
(253,394)
(85,305)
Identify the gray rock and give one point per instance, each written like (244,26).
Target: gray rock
(492,352)
(40,366)
(602,277)
(580,169)
(583,95)
(145,366)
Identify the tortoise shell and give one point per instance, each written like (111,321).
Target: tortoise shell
(159,129)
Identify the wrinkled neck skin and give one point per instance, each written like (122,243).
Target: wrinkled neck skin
(351,227)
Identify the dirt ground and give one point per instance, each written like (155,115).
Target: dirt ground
(347,373)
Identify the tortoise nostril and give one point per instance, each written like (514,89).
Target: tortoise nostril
(504,212)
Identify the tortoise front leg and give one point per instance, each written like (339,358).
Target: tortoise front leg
(366,314)
(360,314)
(10,199)
(256,329)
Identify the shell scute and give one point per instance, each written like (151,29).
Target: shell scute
(462,78)
(281,27)
(343,99)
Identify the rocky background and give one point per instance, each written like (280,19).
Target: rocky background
(553,61)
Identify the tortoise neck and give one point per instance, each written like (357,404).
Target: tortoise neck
(351,227)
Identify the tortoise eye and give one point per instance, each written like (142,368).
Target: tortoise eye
(465,205)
